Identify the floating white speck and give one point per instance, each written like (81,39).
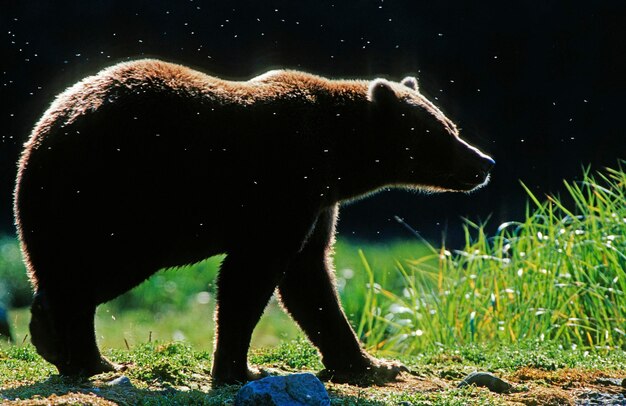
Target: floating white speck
(203,297)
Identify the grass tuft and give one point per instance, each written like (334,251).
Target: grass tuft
(292,355)
(559,275)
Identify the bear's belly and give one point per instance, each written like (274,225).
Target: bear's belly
(152,213)
(132,194)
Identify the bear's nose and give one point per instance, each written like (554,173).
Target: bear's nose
(486,164)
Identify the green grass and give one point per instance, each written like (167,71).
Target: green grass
(174,373)
(559,275)
(122,329)
(14,285)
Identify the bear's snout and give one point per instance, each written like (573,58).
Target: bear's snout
(480,167)
(472,166)
(486,164)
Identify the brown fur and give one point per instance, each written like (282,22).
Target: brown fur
(149,165)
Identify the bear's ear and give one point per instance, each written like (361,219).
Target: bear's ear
(380,91)
(410,82)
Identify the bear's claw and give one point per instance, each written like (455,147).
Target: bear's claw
(89,369)
(379,372)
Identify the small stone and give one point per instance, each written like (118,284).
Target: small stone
(298,389)
(486,380)
(593,398)
(121,381)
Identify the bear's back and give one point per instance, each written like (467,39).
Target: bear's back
(148,138)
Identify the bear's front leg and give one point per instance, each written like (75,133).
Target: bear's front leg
(245,284)
(308,293)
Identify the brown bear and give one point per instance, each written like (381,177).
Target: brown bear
(150,165)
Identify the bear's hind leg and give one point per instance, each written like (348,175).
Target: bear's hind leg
(62,330)
(308,294)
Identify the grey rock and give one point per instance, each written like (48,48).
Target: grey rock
(121,381)
(487,380)
(593,398)
(290,390)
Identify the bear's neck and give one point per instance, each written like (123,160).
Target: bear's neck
(354,166)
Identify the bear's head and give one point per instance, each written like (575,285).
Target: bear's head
(421,145)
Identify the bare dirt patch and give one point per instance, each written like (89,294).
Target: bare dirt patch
(531,387)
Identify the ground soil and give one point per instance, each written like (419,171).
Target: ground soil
(530,387)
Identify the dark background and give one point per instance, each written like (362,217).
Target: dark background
(539,85)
